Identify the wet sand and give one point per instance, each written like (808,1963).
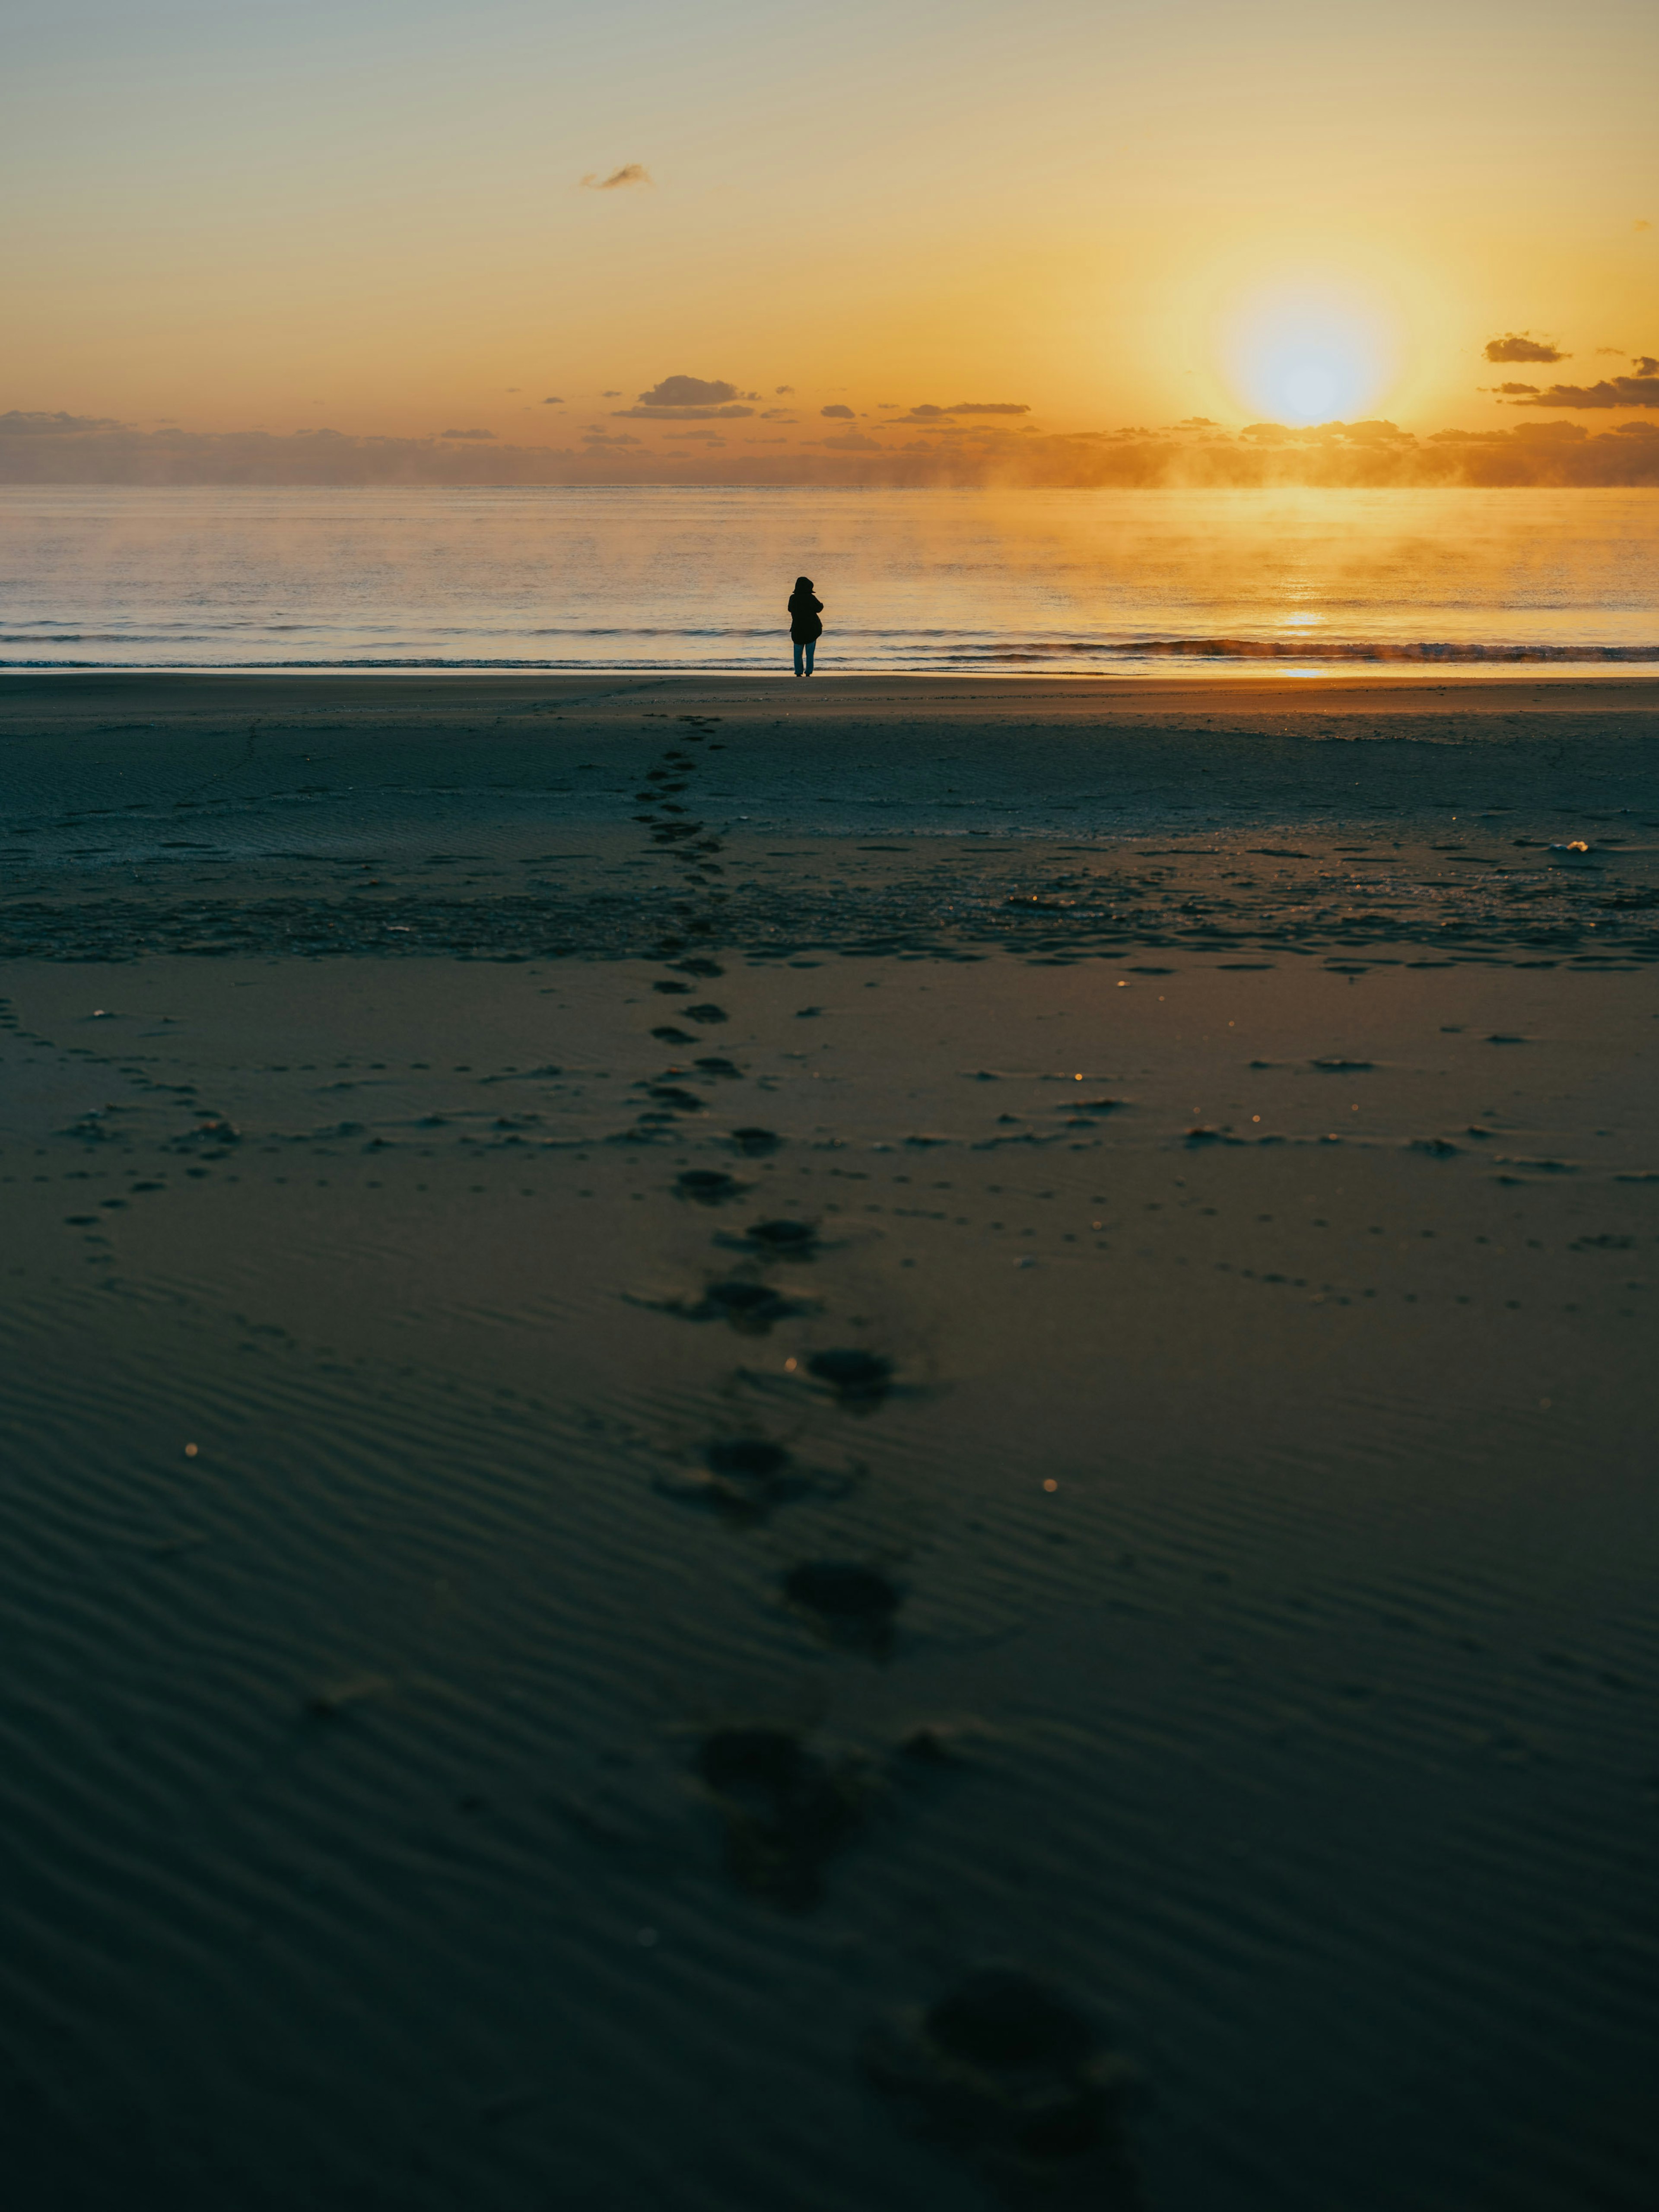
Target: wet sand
(657,1407)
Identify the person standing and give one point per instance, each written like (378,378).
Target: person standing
(804,628)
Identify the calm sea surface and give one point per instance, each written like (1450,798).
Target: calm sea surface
(652,578)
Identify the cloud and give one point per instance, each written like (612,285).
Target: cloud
(442,433)
(1196,423)
(611,395)
(988,407)
(781,390)
(689,391)
(778,415)
(1521,347)
(926,413)
(836,408)
(17,424)
(1639,391)
(1646,364)
(1510,390)
(690,399)
(48,448)
(554,402)
(631,173)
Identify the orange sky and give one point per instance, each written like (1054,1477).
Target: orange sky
(371,215)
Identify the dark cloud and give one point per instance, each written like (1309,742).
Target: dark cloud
(47,448)
(1510,390)
(689,391)
(554,402)
(1519,347)
(836,408)
(784,391)
(1639,391)
(611,395)
(988,407)
(1646,364)
(18,424)
(777,415)
(631,173)
(442,433)
(690,400)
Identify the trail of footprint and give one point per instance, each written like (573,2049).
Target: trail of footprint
(784,1808)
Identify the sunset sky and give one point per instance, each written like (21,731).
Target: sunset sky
(370,214)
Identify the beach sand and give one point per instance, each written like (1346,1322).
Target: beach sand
(684,1357)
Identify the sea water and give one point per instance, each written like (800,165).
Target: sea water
(672,577)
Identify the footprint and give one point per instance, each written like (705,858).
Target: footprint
(704,1013)
(670,1094)
(752,1308)
(785,1809)
(862,1377)
(675,991)
(1006,2071)
(670,1036)
(700,967)
(754,1141)
(796,1238)
(715,1066)
(745,1475)
(850,1604)
(708,1186)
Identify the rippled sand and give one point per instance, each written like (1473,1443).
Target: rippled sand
(599,1511)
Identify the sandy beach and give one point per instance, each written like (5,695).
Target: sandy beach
(1040,1356)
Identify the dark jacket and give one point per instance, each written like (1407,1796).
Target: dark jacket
(804,612)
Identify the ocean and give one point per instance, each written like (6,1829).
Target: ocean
(668,577)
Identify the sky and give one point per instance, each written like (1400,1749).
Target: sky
(406,219)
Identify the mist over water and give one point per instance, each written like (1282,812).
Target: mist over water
(666,577)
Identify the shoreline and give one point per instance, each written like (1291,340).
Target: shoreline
(1379,680)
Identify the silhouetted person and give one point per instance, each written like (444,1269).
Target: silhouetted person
(804,626)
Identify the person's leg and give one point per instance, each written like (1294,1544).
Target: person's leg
(799,648)
(812,644)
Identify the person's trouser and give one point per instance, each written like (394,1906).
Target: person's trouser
(804,645)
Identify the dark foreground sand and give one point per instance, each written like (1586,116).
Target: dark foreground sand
(497,1719)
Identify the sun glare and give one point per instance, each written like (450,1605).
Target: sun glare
(1299,361)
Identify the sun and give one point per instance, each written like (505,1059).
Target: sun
(1300,358)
